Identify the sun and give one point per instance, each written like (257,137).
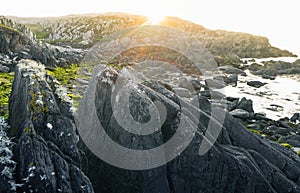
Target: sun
(155,19)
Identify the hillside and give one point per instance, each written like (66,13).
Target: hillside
(83,31)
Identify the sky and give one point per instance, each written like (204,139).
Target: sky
(276,19)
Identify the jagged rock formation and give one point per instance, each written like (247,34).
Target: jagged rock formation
(18,42)
(274,68)
(86,30)
(239,161)
(41,124)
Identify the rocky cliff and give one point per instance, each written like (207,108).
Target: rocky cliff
(45,152)
(18,42)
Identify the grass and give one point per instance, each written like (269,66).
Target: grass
(6,80)
(66,77)
(8,28)
(40,32)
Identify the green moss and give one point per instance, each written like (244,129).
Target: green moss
(298,153)
(255,131)
(286,145)
(31,164)
(6,80)
(67,76)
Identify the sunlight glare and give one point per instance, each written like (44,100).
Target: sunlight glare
(155,19)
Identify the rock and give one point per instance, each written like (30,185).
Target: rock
(233,79)
(297,62)
(4,69)
(293,140)
(245,104)
(202,103)
(182,92)
(16,40)
(273,68)
(46,151)
(196,84)
(260,116)
(254,126)
(192,85)
(214,83)
(295,117)
(265,76)
(240,113)
(256,84)
(212,94)
(232,70)
(232,99)
(239,159)
(282,131)
(274,107)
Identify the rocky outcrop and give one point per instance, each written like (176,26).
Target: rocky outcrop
(239,161)
(87,30)
(273,68)
(18,42)
(41,124)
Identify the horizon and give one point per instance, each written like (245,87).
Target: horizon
(276,20)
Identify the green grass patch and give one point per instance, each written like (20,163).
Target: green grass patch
(6,80)
(8,28)
(40,31)
(67,76)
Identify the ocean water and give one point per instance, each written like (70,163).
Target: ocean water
(277,99)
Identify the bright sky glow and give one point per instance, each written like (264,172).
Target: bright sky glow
(276,19)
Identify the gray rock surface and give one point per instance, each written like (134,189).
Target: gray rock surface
(273,68)
(239,161)
(47,156)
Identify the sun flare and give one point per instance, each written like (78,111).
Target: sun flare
(155,19)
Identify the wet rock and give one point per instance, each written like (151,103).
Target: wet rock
(256,84)
(46,152)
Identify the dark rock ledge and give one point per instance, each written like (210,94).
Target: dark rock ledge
(46,152)
(48,159)
(239,161)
